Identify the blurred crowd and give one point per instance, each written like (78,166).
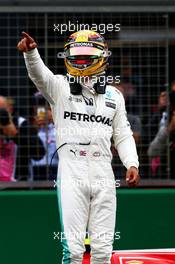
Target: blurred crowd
(154,133)
(27,145)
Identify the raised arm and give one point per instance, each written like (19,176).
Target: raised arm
(42,77)
(125,144)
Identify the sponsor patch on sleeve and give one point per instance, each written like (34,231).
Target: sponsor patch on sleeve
(111,105)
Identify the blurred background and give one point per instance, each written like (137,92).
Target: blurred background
(143,55)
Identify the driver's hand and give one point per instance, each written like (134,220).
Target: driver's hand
(27,43)
(132,177)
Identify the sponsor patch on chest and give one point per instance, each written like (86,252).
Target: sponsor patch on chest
(88,118)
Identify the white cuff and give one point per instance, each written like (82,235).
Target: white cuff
(31,53)
(132,164)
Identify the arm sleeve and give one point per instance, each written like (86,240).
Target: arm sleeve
(41,76)
(123,139)
(159,143)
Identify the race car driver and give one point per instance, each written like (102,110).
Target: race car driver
(86,114)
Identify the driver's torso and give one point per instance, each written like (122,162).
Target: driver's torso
(85,118)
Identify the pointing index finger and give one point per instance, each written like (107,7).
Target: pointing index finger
(27,36)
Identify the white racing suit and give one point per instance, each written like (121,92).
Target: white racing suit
(86,185)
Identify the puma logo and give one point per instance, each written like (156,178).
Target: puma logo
(73,151)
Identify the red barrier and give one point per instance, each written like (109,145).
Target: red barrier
(159,256)
(86,259)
